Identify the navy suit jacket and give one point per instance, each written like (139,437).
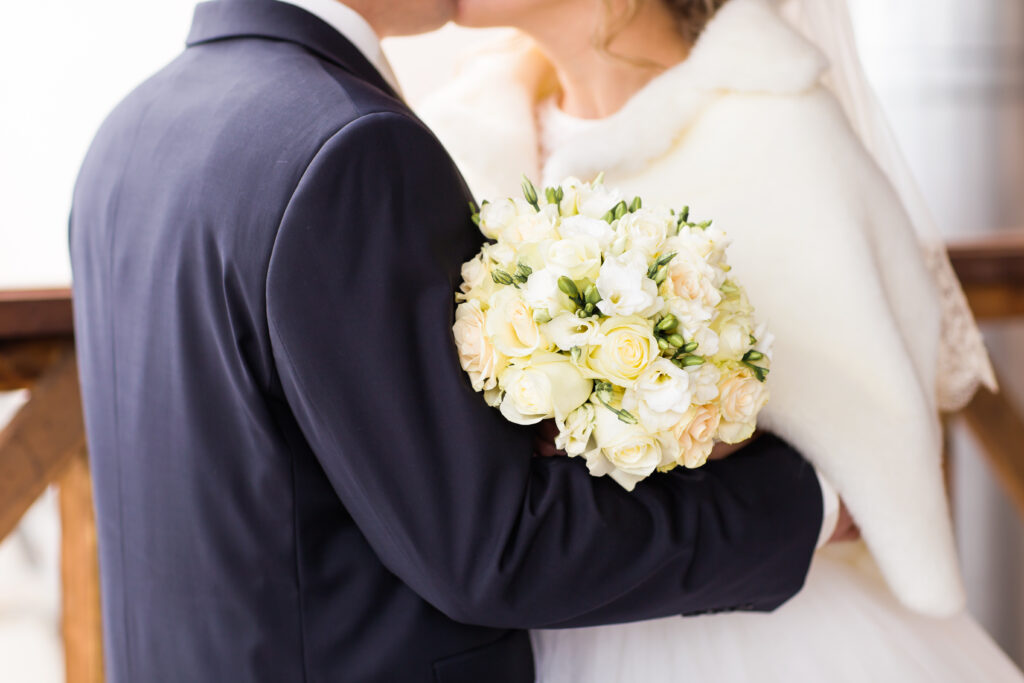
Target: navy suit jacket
(294,480)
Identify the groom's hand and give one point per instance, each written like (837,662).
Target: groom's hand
(544,439)
(724,450)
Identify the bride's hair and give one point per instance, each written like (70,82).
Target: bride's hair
(693,16)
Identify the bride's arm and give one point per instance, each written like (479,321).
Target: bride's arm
(359,305)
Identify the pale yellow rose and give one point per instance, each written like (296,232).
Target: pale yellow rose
(741,398)
(627,453)
(546,386)
(623,349)
(695,433)
(477,355)
(510,324)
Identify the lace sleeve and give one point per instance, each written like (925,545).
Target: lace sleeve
(964,363)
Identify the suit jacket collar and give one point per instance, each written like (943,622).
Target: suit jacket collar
(227,19)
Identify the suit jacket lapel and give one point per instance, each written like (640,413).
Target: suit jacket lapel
(226,19)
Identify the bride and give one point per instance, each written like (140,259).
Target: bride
(757,115)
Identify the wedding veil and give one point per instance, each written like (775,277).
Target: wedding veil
(964,362)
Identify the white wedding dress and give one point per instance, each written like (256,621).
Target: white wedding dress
(873,337)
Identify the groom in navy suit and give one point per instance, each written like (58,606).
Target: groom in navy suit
(294,480)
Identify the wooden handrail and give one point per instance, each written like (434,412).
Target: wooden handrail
(34,313)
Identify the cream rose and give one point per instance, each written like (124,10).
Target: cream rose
(625,288)
(584,226)
(628,453)
(577,257)
(660,396)
(624,349)
(644,230)
(598,200)
(510,324)
(692,278)
(496,217)
(575,431)
(567,330)
(477,355)
(695,433)
(741,398)
(733,335)
(547,386)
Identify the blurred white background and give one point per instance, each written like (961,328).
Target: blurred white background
(950,74)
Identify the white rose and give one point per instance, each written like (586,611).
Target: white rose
(476,280)
(575,431)
(477,354)
(644,230)
(576,256)
(598,201)
(500,254)
(704,381)
(695,434)
(496,217)
(547,386)
(741,399)
(733,336)
(534,226)
(660,396)
(622,350)
(627,453)
(596,228)
(567,330)
(510,324)
(707,341)
(625,288)
(541,292)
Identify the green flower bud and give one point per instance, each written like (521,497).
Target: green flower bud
(530,192)
(690,347)
(541,317)
(669,322)
(568,288)
(676,340)
(620,210)
(691,361)
(636,205)
(592,296)
(627,417)
(661,275)
(663,345)
(753,356)
(501,277)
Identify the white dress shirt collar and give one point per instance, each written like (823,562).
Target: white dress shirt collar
(355,28)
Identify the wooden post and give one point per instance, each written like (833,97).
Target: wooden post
(80,575)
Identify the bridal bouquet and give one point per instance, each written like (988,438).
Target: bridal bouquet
(618,321)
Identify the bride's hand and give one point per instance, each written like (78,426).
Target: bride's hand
(724,450)
(544,439)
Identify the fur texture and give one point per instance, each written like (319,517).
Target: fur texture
(744,132)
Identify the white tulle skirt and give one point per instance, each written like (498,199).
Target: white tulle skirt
(844,626)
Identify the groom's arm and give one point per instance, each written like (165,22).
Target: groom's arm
(359,303)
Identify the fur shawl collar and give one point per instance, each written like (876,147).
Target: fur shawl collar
(746,48)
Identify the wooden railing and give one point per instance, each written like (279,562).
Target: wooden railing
(45,442)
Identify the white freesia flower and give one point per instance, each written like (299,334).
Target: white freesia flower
(733,335)
(692,315)
(695,433)
(547,386)
(741,399)
(596,228)
(644,230)
(625,288)
(541,292)
(707,341)
(575,256)
(566,330)
(575,430)
(660,396)
(765,341)
(500,254)
(510,324)
(622,351)
(627,453)
(477,355)
(704,381)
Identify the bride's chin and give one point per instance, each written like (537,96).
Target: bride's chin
(485,13)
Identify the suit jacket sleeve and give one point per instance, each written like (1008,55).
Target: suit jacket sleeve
(360,304)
